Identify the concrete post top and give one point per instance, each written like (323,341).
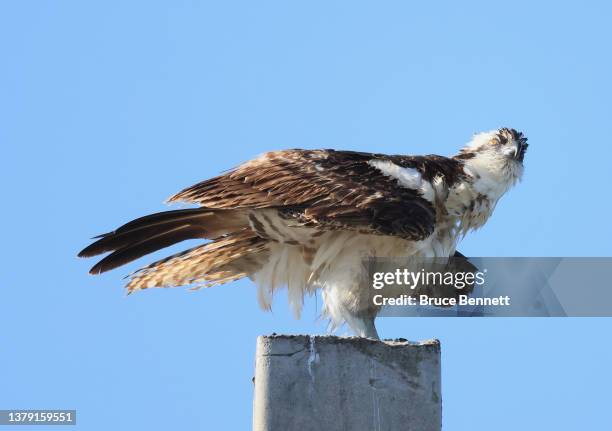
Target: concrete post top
(333,339)
(315,382)
(277,343)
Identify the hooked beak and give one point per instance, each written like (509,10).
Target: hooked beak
(519,151)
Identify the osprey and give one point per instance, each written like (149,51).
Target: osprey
(307,219)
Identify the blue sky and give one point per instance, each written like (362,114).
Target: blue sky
(109,107)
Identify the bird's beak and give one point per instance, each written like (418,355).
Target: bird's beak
(518,150)
(521,148)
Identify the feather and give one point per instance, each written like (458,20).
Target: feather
(156,231)
(307,219)
(327,189)
(234,256)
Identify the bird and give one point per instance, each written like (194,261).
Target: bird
(305,220)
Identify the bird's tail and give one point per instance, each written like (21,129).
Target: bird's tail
(156,231)
(228,258)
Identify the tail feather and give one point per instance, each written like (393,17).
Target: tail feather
(234,256)
(156,231)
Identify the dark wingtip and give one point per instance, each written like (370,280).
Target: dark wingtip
(93,249)
(85,253)
(100,267)
(90,250)
(143,236)
(95,270)
(103,235)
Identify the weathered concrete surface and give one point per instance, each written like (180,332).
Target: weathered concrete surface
(334,383)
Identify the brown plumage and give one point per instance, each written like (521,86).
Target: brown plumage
(228,258)
(322,189)
(156,231)
(329,189)
(307,219)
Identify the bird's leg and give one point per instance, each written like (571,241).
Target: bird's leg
(363,325)
(345,302)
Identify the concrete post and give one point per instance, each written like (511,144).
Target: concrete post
(334,383)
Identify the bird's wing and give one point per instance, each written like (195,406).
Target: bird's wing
(326,189)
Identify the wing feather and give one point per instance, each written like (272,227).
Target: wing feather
(327,189)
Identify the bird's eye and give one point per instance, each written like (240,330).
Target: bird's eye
(503,140)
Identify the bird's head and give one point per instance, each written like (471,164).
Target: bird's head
(496,156)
